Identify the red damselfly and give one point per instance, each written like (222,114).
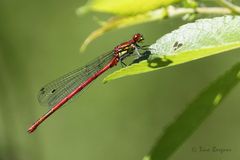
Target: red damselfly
(58,92)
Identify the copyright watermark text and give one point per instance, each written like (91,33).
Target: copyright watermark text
(212,149)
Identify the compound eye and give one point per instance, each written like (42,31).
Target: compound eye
(137,37)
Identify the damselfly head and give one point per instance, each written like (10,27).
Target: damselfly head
(138,38)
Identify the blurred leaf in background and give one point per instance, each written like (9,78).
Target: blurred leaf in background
(189,9)
(131,13)
(123,7)
(193,116)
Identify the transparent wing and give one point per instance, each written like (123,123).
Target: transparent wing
(53,92)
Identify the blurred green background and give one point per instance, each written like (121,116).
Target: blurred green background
(40,40)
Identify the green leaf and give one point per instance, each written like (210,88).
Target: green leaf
(123,7)
(194,114)
(190,3)
(125,21)
(192,41)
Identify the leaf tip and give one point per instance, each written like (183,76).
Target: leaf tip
(238,75)
(217,99)
(82,48)
(90,38)
(105,80)
(146,157)
(83,10)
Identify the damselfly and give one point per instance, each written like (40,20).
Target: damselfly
(58,92)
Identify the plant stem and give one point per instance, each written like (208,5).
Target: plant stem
(172,11)
(232,7)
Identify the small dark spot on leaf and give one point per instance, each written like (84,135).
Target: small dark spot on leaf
(180,45)
(177,45)
(42,90)
(53,90)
